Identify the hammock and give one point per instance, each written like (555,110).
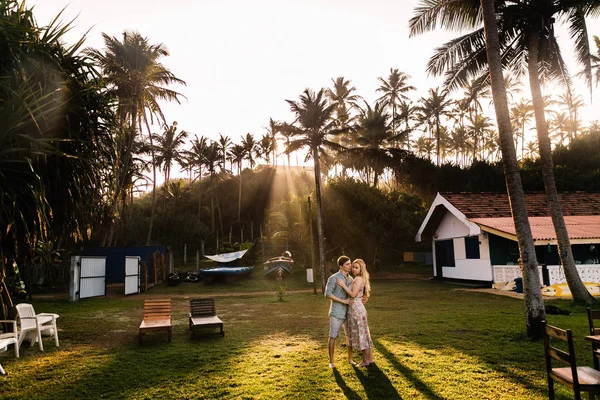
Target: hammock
(227,257)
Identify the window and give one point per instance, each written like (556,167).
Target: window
(444,253)
(472,248)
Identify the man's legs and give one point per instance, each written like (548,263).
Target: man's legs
(334,330)
(331,346)
(348,345)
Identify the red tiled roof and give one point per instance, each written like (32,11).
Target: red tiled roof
(578,227)
(496,205)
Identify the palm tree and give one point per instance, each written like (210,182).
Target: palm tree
(520,115)
(342,96)
(479,129)
(224,144)
(265,148)
(212,160)
(376,141)
(272,130)
(313,126)
(433,108)
(251,147)
(596,59)
(572,104)
(196,158)
(238,154)
(394,89)
(536,314)
(135,76)
(406,113)
(527,34)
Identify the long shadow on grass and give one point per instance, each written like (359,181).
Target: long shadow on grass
(349,393)
(376,383)
(419,385)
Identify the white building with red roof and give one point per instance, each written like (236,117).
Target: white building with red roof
(473,236)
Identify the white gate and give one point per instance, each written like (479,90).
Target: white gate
(92,277)
(132,274)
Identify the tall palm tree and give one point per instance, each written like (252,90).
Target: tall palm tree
(137,79)
(168,148)
(265,148)
(313,126)
(479,129)
(529,43)
(596,59)
(434,108)
(394,90)
(342,95)
(251,147)
(237,152)
(572,104)
(224,144)
(212,159)
(272,130)
(521,114)
(376,141)
(196,158)
(532,290)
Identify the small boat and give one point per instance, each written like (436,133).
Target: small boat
(277,267)
(227,274)
(562,289)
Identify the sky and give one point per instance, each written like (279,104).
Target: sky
(242,59)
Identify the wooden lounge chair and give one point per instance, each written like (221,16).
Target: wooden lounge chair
(157,317)
(203,314)
(594,315)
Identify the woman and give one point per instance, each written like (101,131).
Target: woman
(358,328)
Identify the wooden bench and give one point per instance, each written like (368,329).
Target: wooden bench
(203,314)
(157,317)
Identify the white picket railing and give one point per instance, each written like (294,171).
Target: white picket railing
(508,273)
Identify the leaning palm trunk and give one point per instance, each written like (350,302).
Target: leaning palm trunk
(535,313)
(580,293)
(315,151)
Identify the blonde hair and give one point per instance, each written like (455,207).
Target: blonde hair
(365,275)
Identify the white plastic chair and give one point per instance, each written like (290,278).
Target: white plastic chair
(7,339)
(11,337)
(33,325)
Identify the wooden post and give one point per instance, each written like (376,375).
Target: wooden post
(230,233)
(197,260)
(202,246)
(185,254)
(241,234)
(217,249)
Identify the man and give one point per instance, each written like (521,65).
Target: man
(339,306)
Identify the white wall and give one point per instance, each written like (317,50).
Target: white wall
(471,269)
(451,227)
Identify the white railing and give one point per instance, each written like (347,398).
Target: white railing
(508,273)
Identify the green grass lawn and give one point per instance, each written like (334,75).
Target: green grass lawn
(432,341)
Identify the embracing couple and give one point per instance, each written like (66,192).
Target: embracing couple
(347,309)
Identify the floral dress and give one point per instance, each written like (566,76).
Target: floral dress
(358,328)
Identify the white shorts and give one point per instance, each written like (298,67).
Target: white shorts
(334,326)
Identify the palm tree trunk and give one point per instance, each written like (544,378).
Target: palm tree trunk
(240,193)
(321,239)
(535,313)
(153,206)
(580,293)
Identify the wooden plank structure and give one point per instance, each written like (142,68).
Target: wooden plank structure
(157,317)
(203,314)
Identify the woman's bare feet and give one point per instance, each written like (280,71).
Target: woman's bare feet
(363,364)
(351,362)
